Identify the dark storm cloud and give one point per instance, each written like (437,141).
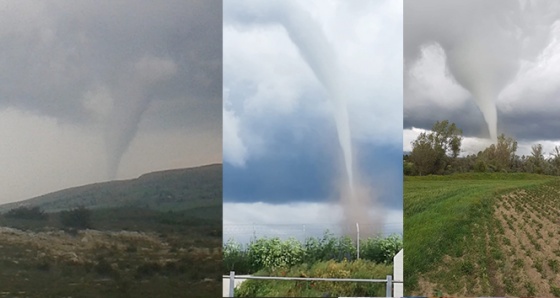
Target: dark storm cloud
(59,56)
(55,51)
(467,117)
(302,170)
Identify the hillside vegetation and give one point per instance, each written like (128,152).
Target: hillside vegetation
(482,234)
(160,236)
(164,190)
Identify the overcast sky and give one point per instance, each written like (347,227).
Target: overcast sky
(283,60)
(96,90)
(462,57)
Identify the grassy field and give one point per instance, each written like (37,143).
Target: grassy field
(128,252)
(361,269)
(465,234)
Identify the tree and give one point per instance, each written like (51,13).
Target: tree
(423,155)
(25,212)
(537,159)
(433,152)
(78,218)
(555,161)
(500,156)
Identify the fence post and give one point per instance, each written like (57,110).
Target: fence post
(358,241)
(389,291)
(231,283)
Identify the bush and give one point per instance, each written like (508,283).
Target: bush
(381,250)
(78,218)
(273,253)
(24,212)
(235,258)
(329,248)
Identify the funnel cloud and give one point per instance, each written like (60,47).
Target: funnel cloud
(133,98)
(485,49)
(117,89)
(308,104)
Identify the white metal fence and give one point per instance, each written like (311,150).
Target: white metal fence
(393,288)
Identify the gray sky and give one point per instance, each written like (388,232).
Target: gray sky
(464,57)
(91,91)
(283,61)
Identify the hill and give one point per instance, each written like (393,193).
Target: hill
(482,235)
(159,235)
(178,189)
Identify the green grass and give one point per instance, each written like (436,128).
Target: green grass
(361,269)
(442,212)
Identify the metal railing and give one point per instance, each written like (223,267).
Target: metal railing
(389,281)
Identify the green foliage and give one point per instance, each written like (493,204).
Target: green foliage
(437,153)
(433,152)
(329,247)
(78,218)
(500,156)
(273,253)
(24,212)
(360,269)
(381,250)
(235,258)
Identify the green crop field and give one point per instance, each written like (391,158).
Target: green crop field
(482,234)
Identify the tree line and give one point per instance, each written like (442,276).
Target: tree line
(437,153)
(76,218)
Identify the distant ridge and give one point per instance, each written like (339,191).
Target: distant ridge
(175,189)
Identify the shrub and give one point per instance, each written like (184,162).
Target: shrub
(329,248)
(79,218)
(25,212)
(235,258)
(273,253)
(381,250)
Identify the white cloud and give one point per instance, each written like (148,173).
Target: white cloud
(268,78)
(538,82)
(512,66)
(430,84)
(245,220)
(234,150)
